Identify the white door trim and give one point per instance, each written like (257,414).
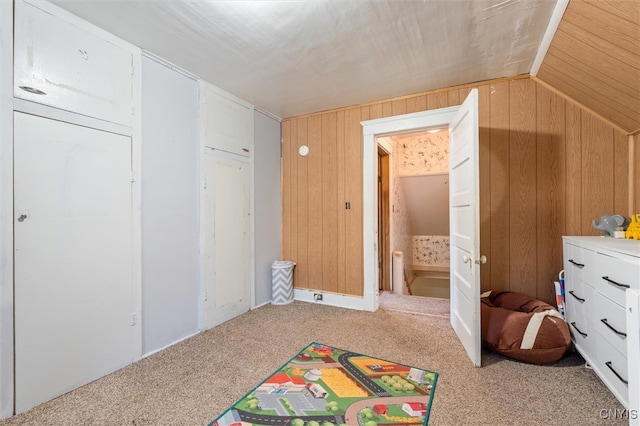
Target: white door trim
(372,129)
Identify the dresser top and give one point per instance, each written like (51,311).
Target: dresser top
(618,245)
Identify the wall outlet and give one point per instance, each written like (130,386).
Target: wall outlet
(317,297)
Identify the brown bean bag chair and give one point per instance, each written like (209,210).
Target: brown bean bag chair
(523,328)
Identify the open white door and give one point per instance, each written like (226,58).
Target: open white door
(464,216)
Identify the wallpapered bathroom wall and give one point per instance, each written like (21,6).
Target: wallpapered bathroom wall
(422,154)
(431,250)
(401,238)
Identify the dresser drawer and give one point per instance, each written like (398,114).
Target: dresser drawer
(578,261)
(613,275)
(579,299)
(610,322)
(612,366)
(584,337)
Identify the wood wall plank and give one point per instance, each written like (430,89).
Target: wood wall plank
(417,104)
(300,207)
(484,121)
(499,178)
(550,179)
(329,183)
(620,173)
(453,97)
(573,167)
(353,195)
(375,111)
(313,189)
(522,186)
(341,253)
(597,176)
(387,109)
(437,100)
(399,107)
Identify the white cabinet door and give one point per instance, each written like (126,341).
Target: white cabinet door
(56,63)
(228,124)
(227,280)
(74,305)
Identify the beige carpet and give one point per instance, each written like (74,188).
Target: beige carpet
(194,381)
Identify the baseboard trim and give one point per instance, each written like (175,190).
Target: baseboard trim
(331,299)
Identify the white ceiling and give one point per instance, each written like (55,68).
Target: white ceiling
(291,57)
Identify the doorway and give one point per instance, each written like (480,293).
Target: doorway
(462,122)
(420,216)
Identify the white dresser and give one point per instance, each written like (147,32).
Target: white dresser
(598,271)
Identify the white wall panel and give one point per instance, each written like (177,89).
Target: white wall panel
(268,202)
(170,206)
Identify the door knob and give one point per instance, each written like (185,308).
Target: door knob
(22,217)
(482,260)
(465,258)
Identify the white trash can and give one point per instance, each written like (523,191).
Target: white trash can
(282,282)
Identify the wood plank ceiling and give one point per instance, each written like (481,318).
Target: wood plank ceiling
(594,58)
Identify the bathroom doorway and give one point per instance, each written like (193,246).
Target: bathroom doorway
(419,212)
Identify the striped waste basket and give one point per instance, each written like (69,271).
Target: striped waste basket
(282,282)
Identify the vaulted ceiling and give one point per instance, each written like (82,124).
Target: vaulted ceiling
(594,58)
(292,57)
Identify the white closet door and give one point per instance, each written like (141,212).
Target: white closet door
(228,125)
(227,240)
(60,64)
(73,257)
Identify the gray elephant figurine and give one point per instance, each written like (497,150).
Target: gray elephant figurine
(609,222)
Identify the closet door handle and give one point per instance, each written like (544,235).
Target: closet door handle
(579,265)
(579,298)
(607,279)
(609,364)
(578,330)
(619,333)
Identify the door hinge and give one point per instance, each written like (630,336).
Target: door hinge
(133,176)
(133,319)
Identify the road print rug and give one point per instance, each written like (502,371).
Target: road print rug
(324,386)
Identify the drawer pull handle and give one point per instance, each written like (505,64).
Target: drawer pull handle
(579,265)
(607,279)
(32,90)
(620,333)
(578,330)
(579,298)
(608,364)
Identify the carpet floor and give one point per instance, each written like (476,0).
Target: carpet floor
(194,381)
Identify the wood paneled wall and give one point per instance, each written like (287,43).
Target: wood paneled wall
(547,168)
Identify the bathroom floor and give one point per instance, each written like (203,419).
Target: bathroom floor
(431,286)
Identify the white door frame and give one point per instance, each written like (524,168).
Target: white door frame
(371,130)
